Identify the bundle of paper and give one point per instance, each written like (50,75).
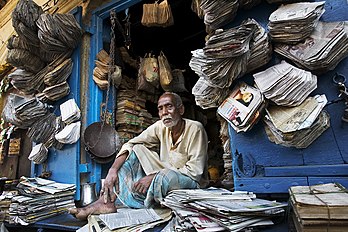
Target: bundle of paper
(319,207)
(58,72)
(285,84)
(23,81)
(23,111)
(127,219)
(44,129)
(56,92)
(293,23)
(219,72)
(243,107)
(39,199)
(69,111)
(297,126)
(231,42)
(218,13)
(206,95)
(131,115)
(322,50)
(260,46)
(220,208)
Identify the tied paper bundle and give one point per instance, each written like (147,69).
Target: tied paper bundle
(159,15)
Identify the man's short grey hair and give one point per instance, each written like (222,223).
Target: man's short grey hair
(176,97)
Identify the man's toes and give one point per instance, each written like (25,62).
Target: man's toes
(73,210)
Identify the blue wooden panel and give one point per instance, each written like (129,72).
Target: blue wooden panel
(257,161)
(323,180)
(265,153)
(268,184)
(313,170)
(64,163)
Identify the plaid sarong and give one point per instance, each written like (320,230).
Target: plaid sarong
(163,182)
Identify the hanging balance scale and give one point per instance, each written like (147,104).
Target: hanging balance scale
(101,140)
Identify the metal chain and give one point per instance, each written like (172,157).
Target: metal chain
(111,69)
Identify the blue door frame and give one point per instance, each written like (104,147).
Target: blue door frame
(95,95)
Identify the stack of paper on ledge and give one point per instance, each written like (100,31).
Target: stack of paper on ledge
(318,208)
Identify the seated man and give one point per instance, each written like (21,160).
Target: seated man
(170,154)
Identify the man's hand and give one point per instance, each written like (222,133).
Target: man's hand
(142,185)
(111,182)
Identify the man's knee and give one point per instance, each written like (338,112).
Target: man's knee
(175,180)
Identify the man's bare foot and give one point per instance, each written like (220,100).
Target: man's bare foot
(97,207)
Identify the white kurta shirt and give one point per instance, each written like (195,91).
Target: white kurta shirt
(188,155)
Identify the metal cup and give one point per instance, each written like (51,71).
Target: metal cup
(88,194)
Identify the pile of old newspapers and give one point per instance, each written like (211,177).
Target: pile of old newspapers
(217,209)
(38,199)
(326,46)
(226,57)
(219,13)
(297,126)
(291,23)
(285,84)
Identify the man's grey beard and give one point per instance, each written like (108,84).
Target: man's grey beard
(172,123)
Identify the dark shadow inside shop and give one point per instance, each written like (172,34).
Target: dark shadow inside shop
(134,41)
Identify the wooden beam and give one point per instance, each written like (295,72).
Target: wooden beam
(308,170)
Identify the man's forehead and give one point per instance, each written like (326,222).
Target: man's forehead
(166,99)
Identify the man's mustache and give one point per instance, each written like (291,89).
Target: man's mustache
(166,117)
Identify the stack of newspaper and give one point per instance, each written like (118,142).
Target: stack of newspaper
(38,153)
(44,130)
(297,126)
(242,109)
(225,58)
(322,207)
(25,81)
(285,84)
(219,210)
(23,111)
(69,111)
(293,23)
(40,199)
(322,50)
(207,95)
(260,47)
(219,13)
(131,115)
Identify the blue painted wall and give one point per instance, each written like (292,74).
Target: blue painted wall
(264,167)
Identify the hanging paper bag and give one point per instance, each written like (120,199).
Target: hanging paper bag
(150,70)
(165,16)
(165,71)
(142,83)
(150,12)
(178,82)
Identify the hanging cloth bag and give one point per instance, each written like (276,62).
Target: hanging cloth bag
(150,69)
(165,16)
(150,14)
(165,71)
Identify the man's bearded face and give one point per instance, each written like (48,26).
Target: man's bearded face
(168,112)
